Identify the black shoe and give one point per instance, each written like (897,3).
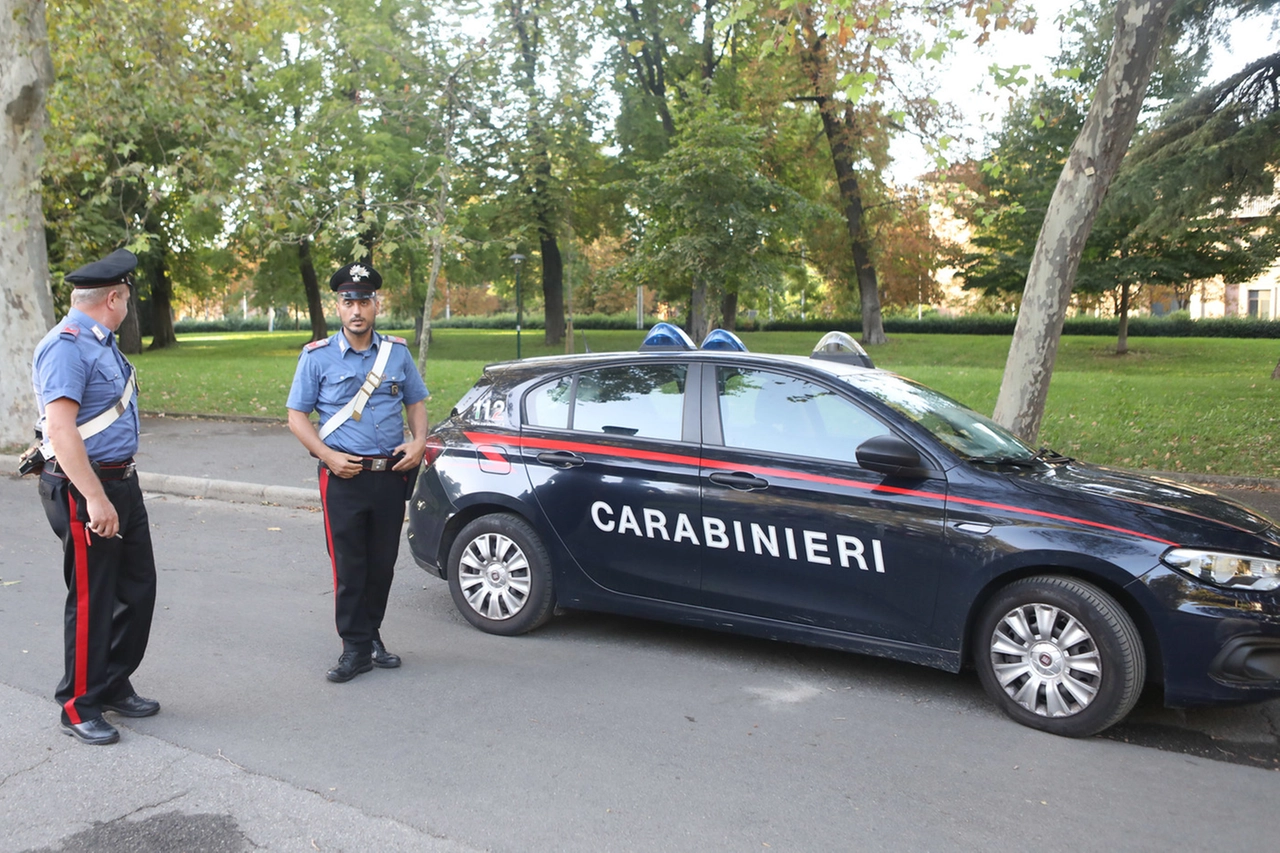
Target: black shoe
(96,731)
(133,706)
(349,666)
(382,658)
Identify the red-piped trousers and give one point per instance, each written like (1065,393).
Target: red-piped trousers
(111,594)
(363,524)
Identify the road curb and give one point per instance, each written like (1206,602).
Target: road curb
(210,489)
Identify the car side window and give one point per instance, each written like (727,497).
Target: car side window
(548,404)
(640,400)
(777,413)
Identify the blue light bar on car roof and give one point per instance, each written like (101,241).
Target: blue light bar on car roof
(667,336)
(722,339)
(839,346)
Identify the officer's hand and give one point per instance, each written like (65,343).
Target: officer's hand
(343,465)
(412,451)
(103,519)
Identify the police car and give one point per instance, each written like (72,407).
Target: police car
(819,500)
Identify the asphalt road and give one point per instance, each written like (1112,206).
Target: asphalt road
(596,733)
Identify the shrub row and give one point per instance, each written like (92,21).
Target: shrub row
(491,321)
(1174,326)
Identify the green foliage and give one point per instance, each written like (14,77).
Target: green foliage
(1152,229)
(146,132)
(709,214)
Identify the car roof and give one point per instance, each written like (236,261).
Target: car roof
(541,365)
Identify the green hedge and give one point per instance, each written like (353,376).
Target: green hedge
(1176,326)
(1003,324)
(491,321)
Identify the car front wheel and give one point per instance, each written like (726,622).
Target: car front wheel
(1060,655)
(500,575)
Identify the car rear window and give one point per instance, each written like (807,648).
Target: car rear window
(646,401)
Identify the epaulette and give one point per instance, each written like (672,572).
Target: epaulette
(71,332)
(396,340)
(323,342)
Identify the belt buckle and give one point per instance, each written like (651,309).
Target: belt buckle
(377,464)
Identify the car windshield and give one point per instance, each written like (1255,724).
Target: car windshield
(966,432)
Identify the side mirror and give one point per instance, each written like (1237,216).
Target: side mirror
(888,454)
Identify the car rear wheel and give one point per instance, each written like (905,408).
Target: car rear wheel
(1060,655)
(500,575)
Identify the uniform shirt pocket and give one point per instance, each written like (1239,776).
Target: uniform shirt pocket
(108,375)
(392,384)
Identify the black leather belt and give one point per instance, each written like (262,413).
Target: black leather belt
(377,463)
(105,470)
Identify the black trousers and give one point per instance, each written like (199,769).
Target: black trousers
(363,521)
(111,594)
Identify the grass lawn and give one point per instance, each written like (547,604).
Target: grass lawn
(1204,405)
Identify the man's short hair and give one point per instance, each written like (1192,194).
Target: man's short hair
(88,296)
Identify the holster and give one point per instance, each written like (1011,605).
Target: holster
(32,460)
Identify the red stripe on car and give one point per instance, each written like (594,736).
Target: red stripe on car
(679,459)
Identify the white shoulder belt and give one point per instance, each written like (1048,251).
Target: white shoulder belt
(355,406)
(100,421)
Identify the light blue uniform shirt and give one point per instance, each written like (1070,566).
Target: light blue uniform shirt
(329,374)
(79,360)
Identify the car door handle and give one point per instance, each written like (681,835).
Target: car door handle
(560,459)
(737,480)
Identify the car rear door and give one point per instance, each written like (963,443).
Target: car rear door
(795,529)
(612,456)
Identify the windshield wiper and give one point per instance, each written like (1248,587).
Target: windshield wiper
(1053,457)
(1019,461)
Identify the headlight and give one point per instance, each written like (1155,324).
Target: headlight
(1230,570)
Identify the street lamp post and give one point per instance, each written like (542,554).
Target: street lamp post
(516,259)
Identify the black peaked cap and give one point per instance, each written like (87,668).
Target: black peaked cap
(113,269)
(356,277)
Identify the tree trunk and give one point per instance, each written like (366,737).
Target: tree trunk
(552,289)
(27,301)
(161,302)
(729,312)
(1122,340)
(1091,165)
(129,335)
(539,175)
(311,284)
(1275,374)
(838,123)
(699,313)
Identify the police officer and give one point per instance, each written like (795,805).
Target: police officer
(358,381)
(86,392)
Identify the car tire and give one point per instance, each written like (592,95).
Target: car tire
(500,575)
(1060,655)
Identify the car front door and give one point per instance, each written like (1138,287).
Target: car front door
(795,529)
(610,468)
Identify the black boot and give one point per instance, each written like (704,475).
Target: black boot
(382,658)
(349,666)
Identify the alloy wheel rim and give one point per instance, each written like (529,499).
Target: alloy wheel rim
(494,576)
(1046,660)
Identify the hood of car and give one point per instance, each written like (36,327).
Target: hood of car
(1077,481)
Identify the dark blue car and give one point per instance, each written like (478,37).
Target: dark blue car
(821,501)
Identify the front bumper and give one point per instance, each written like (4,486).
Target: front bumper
(1216,646)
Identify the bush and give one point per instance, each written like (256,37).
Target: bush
(1177,325)
(508,321)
